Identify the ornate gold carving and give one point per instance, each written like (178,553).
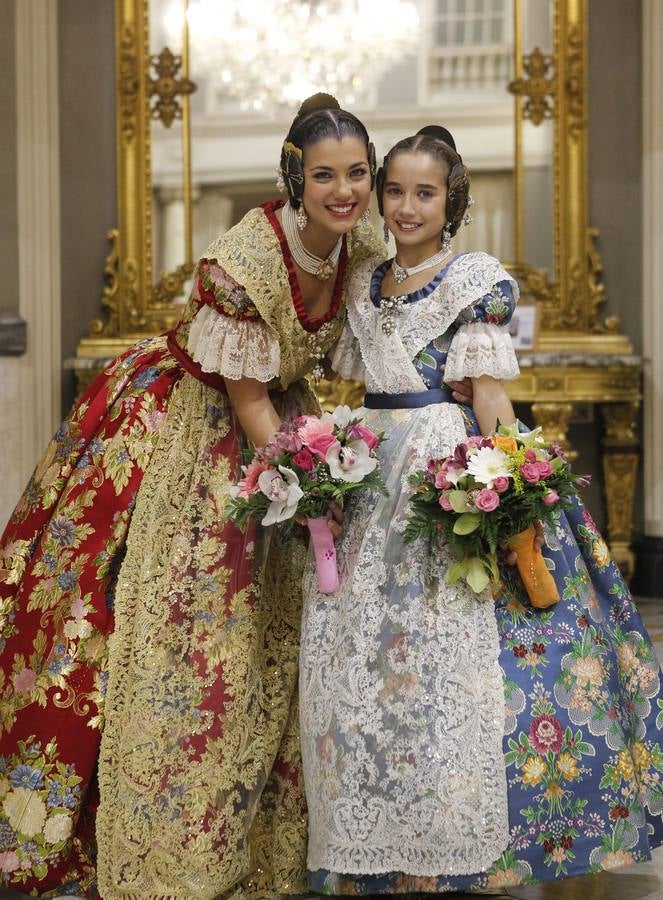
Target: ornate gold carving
(538,87)
(339,392)
(553,418)
(597,293)
(171,284)
(620,424)
(167,87)
(619,474)
(110,296)
(620,466)
(574,82)
(127,82)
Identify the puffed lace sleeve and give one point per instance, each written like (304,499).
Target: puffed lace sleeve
(227,334)
(482,344)
(346,356)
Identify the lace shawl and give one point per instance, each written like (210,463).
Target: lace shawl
(388,358)
(250,254)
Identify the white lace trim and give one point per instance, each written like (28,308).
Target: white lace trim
(388,358)
(401,693)
(481,348)
(346,356)
(234,348)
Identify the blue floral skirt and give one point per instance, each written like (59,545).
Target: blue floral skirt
(582,744)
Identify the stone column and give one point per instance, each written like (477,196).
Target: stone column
(31,404)
(649,571)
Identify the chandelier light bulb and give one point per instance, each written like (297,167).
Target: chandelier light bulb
(270,53)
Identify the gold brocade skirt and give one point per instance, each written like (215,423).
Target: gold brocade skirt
(199,772)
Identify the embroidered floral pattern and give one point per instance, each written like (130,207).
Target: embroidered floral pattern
(217,664)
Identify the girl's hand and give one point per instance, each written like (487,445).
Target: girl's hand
(511,558)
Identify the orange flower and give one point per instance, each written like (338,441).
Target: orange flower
(508,444)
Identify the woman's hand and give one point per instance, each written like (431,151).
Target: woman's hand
(462,391)
(334,520)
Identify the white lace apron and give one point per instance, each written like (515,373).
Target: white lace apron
(402,701)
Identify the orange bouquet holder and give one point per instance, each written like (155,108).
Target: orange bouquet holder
(538,581)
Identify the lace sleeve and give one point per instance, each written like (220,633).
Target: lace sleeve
(233,347)
(346,356)
(481,348)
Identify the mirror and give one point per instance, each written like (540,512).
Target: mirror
(457,72)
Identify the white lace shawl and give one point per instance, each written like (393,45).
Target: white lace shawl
(387,359)
(234,348)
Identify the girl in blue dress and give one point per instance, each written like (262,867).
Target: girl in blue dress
(454,741)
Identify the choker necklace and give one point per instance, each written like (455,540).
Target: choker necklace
(315,265)
(401,272)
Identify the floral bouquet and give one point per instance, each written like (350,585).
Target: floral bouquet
(309,464)
(489,494)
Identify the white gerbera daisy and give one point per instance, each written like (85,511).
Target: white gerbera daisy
(487,464)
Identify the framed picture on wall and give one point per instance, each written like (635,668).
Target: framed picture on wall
(524,326)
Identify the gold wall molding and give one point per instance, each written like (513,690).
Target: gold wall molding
(538,88)
(167,87)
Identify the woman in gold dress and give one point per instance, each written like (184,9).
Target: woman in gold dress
(148,649)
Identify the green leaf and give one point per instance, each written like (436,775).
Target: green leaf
(458,500)
(456,571)
(476,577)
(467,523)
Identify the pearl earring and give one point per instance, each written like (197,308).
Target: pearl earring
(302,218)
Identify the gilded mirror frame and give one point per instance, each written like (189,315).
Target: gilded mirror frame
(550,86)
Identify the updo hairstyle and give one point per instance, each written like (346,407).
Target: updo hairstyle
(438,143)
(319,117)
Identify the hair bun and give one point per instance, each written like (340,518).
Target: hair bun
(316,102)
(439,132)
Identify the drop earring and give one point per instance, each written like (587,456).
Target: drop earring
(446,237)
(302,218)
(385,231)
(365,218)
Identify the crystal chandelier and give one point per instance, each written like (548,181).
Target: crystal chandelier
(267,52)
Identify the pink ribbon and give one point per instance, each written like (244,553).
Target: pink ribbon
(325,555)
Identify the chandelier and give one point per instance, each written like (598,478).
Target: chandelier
(277,52)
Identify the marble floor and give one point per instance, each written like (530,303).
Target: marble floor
(641,882)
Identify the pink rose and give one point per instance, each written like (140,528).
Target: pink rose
(445,503)
(545,469)
(550,498)
(24,681)
(320,444)
(530,456)
(530,472)
(441,482)
(249,484)
(361,433)
(487,500)
(304,460)
(546,733)
(500,484)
